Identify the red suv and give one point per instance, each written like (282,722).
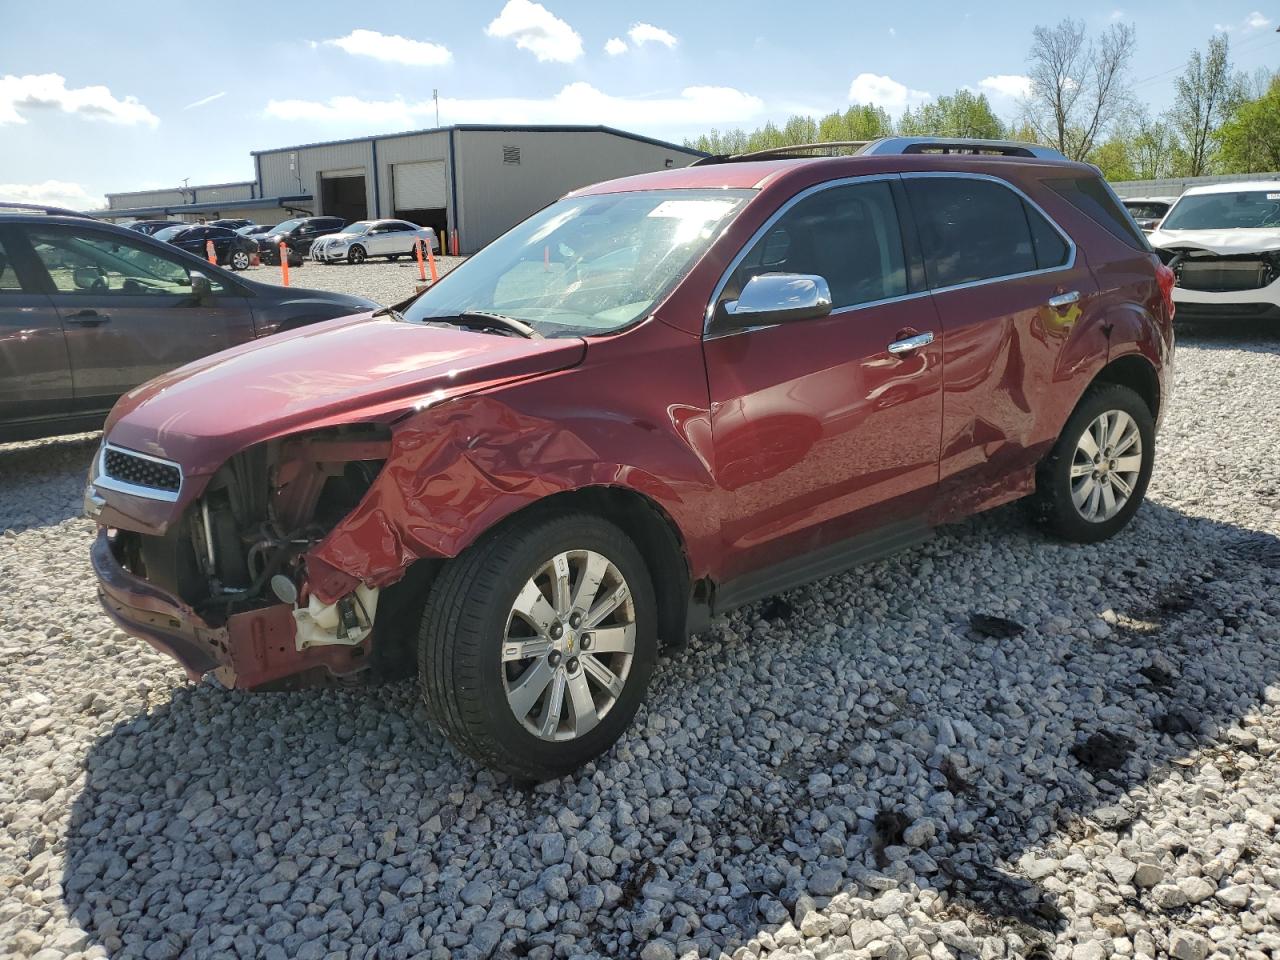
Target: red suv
(654,400)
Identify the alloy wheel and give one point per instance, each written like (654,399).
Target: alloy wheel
(1106,465)
(240,260)
(569,644)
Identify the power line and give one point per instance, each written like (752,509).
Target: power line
(1245,47)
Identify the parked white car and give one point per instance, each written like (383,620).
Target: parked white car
(1222,242)
(1148,211)
(359,241)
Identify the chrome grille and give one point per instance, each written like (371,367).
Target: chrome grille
(139,474)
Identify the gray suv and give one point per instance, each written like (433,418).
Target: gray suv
(89,310)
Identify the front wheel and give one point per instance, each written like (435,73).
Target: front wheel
(537,644)
(356,255)
(239,260)
(1094,480)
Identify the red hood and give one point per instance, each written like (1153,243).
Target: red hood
(339,371)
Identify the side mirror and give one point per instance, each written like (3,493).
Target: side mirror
(86,278)
(778,297)
(201,288)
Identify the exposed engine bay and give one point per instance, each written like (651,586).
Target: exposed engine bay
(241,545)
(1198,269)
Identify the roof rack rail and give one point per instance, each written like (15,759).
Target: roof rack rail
(782,153)
(890,146)
(42,208)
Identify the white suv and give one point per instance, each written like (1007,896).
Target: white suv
(1222,242)
(359,241)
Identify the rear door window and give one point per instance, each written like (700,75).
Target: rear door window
(972,229)
(848,235)
(9,282)
(1052,250)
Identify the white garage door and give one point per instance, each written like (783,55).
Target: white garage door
(419,186)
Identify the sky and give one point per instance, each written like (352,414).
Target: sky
(139,94)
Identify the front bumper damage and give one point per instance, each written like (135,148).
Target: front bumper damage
(1228,286)
(255,650)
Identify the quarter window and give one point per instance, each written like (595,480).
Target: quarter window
(1094,199)
(102,264)
(971,230)
(847,235)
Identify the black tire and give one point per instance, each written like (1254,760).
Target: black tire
(464,625)
(1052,504)
(357,255)
(239,260)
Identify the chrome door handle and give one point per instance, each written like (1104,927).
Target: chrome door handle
(911,343)
(1065,299)
(88,318)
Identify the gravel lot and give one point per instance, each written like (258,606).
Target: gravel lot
(992,746)
(381,280)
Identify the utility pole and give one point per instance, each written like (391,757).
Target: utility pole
(435,95)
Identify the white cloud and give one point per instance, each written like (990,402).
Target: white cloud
(49,91)
(1254,21)
(538,30)
(1116,14)
(52,193)
(642,33)
(615,46)
(203,100)
(893,31)
(884,92)
(392,48)
(1006,85)
(575,103)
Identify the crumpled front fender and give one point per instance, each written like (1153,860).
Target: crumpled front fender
(459,468)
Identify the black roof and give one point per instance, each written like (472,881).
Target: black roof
(494,128)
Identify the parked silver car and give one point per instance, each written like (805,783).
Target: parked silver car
(359,241)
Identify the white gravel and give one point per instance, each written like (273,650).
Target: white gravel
(855,770)
(379,280)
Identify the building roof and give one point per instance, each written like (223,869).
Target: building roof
(178,188)
(492,128)
(165,210)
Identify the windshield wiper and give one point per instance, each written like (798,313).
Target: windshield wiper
(391,312)
(484,319)
(502,322)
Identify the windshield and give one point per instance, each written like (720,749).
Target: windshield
(1225,211)
(586,265)
(168,233)
(288,225)
(360,226)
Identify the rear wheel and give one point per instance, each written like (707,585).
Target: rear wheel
(1096,477)
(537,644)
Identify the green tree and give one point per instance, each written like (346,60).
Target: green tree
(1152,147)
(1113,159)
(858,122)
(1204,96)
(963,114)
(1249,140)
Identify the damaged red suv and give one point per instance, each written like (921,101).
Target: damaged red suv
(654,400)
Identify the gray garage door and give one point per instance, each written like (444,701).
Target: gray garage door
(419,186)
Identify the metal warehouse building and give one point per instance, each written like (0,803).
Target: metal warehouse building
(477,180)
